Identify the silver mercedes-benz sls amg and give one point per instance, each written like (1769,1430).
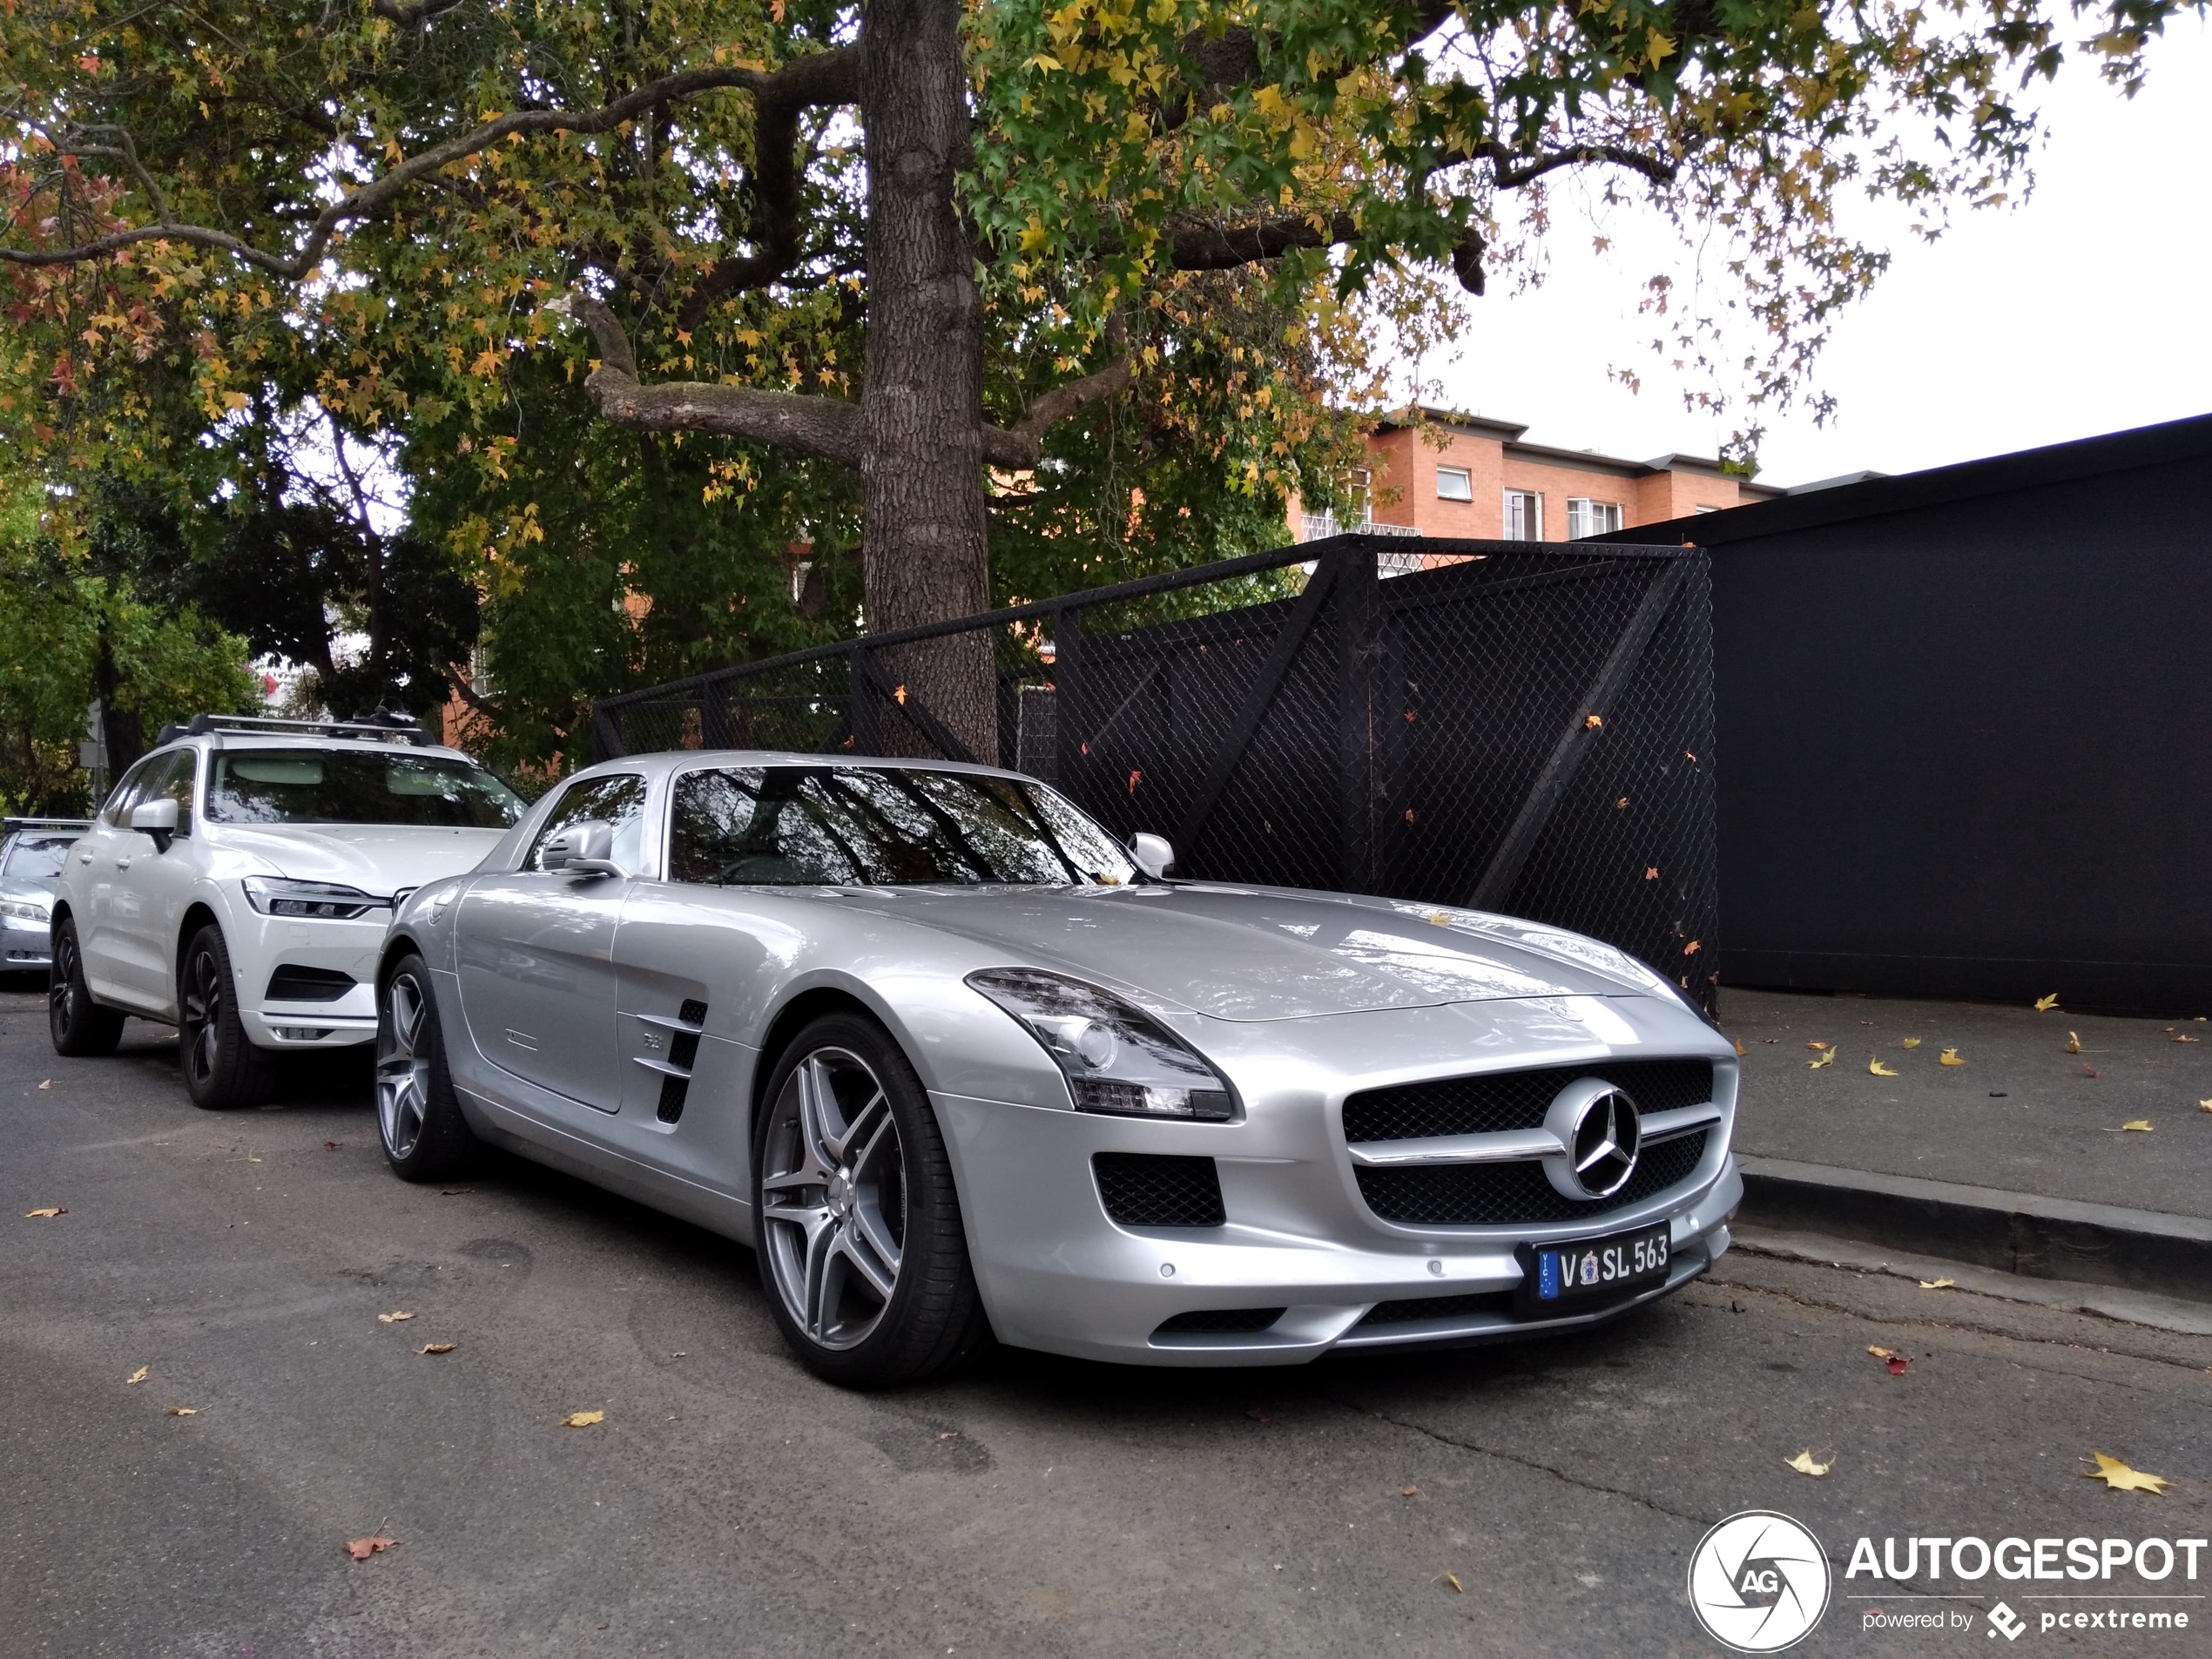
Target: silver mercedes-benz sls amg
(956,1063)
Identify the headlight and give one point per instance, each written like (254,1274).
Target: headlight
(1116,1058)
(274,895)
(22,909)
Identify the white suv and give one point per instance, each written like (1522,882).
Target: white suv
(237,884)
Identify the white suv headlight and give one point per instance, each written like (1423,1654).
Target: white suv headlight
(22,910)
(1116,1058)
(275,895)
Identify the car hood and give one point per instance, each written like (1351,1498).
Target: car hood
(37,892)
(1258,954)
(377,857)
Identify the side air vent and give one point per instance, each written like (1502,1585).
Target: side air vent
(293,983)
(1421,1310)
(1142,1189)
(1219,1322)
(672,1049)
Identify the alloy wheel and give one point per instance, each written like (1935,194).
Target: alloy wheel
(203,1015)
(833,1193)
(402,1066)
(61,986)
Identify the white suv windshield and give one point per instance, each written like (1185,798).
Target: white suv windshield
(356,787)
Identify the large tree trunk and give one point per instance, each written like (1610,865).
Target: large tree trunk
(921,400)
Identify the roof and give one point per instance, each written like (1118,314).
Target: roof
(1875,496)
(1508,433)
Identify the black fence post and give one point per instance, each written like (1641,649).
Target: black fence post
(1066,690)
(1356,605)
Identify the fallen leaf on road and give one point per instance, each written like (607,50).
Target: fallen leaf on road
(1896,1361)
(41,1215)
(393,1319)
(1453,1579)
(182,1411)
(435,1347)
(1815,1046)
(1936,1283)
(2088,1070)
(1409,1491)
(583,1420)
(2118,1476)
(2180,1037)
(1827,1059)
(330,1146)
(2074,1042)
(137,1376)
(2142,1123)
(2045,1004)
(361,1548)
(1803,1463)
(1949,1057)
(2204,1105)
(1909,1042)
(49,1084)
(1875,1068)
(1740,1049)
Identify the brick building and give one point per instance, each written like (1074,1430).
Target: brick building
(1485,482)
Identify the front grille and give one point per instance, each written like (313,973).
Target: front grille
(293,983)
(1141,1189)
(1505,1100)
(1490,1195)
(1419,1308)
(1219,1322)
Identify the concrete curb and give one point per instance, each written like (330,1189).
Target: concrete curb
(2015,1232)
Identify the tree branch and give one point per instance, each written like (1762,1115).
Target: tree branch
(1022,445)
(408,17)
(1196,244)
(375,196)
(825,427)
(1512,170)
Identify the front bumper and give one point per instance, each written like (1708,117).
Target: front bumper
(261,945)
(25,945)
(1058,1275)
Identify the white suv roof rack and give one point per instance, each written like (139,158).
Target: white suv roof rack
(201,726)
(9,826)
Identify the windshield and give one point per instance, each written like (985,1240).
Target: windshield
(35,858)
(883,827)
(356,787)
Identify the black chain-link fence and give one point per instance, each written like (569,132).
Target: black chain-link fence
(1517,726)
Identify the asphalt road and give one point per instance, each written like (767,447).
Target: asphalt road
(728,1503)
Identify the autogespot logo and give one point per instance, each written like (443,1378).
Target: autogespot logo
(1758,1581)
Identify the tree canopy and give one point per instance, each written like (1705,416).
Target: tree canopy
(643,297)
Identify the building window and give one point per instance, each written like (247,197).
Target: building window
(1454,483)
(1586,518)
(1524,516)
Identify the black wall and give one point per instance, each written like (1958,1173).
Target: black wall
(1964,728)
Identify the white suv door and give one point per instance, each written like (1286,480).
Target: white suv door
(101,859)
(159,887)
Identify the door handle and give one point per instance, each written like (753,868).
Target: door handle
(123,864)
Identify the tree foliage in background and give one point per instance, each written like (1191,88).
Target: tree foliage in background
(1082,279)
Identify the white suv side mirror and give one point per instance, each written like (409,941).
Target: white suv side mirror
(1153,854)
(582,849)
(157,819)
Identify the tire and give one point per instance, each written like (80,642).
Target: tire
(222,1068)
(418,1117)
(79,1026)
(849,1150)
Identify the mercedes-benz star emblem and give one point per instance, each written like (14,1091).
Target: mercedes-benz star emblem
(1602,1129)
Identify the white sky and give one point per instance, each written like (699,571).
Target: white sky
(2087,310)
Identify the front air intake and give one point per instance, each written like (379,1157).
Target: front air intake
(1142,1189)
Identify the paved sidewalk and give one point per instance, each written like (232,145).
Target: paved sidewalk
(2021,1114)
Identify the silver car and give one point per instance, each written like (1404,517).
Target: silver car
(956,1063)
(30,864)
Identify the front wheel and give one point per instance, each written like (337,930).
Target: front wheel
(861,1249)
(221,1066)
(418,1117)
(79,1026)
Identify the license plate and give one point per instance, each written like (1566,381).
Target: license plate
(1589,1269)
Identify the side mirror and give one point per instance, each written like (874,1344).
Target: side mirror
(157,819)
(1153,855)
(582,849)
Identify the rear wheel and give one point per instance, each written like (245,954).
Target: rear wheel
(418,1117)
(79,1026)
(221,1066)
(861,1248)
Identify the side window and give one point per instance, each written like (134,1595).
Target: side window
(174,782)
(711,816)
(619,800)
(124,795)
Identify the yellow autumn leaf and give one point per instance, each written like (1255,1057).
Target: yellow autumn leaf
(182,1411)
(2118,1476)
(1803,1463)
(1453,1579)
(1949,1057)
(583,1420)
(1909,1042)
(2204,1105)
(1936,1283)
(435,1347)
(1827,1059)
(46,1214)
(1820,1045)
(137,1376)
(1875,1068)
(2142,1123)
(2074,1042)
(1740,1049)
(2045,1004)
(393,1319)
(1438,919)
(1043,60)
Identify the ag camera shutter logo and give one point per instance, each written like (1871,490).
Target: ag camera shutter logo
(1758,1582)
